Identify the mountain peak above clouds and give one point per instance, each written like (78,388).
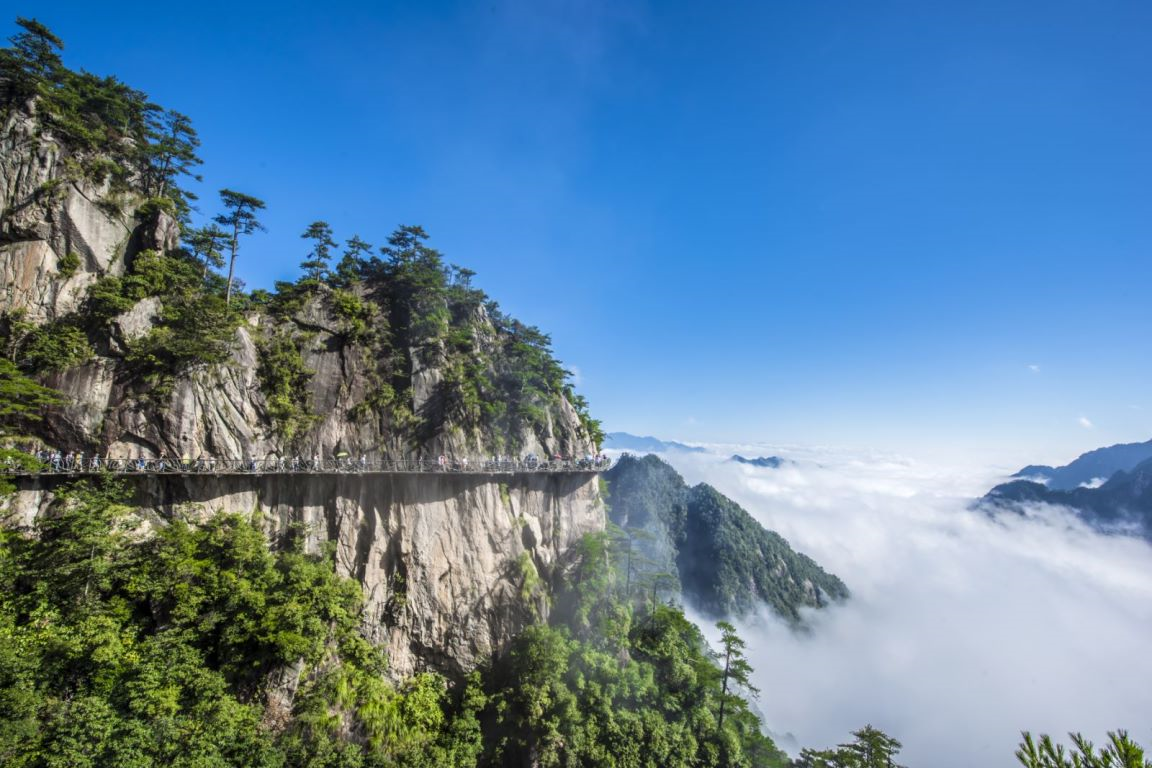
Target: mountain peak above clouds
(1099,464)
(764,462)
(1122,502)
(623,441)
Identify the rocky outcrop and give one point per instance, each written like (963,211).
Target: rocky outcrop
(222,411)
(446,561)
(60,229)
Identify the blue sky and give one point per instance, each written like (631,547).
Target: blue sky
(915,226)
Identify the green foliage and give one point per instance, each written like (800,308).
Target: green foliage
(93,679)
(1119,752)
(529,577)
(725,560)
(871,748)
(21,398)
(557,700)
(196,330)
(54,346)
(736,669)
(194,325)
(22,403)
(285,380)
(106,299)
(68,264)
(117,133)
(592,428)
(122,650)
(357,317)
(724,550)
(238,219)
(169,154)
(352,264)
(315,265)
(206,246)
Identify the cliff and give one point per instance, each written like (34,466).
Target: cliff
(61,227)
(452,566)
(401,358)
(404,358)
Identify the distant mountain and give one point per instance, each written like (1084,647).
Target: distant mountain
(707,547)
(1124,501)
(1101,463)
(622,441)
(766,462)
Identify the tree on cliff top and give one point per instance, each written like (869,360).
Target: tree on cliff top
(241,220)
(206,245)
(33,59)
(169,154)
(315,266)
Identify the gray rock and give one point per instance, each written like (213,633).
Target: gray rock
(439,556)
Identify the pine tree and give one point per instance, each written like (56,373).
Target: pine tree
(873,748)
(736,667)
(171,153)
(206,244)
(33,59)
(1120,752)
(316,265)
(240,220)
(351,266)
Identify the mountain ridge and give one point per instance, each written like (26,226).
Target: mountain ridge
(1122,504)
(722,559)
(1097,464)
(623,441)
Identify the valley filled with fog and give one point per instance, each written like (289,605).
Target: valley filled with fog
(963,628)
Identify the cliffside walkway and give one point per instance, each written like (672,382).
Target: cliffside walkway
(298,466)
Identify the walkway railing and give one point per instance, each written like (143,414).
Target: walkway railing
(292,466)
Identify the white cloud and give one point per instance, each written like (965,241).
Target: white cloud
(1085,422)
(1034,368)
(963,629)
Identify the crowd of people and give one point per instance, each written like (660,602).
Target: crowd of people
(74,462)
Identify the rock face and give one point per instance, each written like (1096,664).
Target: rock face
(447,562)
(61,229)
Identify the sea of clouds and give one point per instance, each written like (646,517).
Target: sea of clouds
(963,628)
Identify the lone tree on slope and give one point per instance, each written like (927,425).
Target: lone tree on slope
(316,265)
(736,666)
(241,220)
